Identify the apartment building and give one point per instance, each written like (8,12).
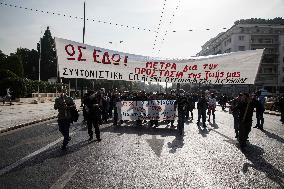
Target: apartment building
(249,36)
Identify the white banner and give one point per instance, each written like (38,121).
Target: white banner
(148,110)
(77,60)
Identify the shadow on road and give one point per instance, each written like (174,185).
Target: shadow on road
(203,131)
(51,154)
(140,130)
(273,136)
(214,125)
(254,154)
(178,142)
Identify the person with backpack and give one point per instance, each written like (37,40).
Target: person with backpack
(64,105)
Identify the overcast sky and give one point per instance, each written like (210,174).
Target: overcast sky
(22,28)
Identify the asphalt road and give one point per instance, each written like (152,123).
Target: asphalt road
(143,157)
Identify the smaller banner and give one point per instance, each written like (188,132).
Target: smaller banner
(147,110)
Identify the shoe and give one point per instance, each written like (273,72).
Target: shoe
(99,140)
(90,139)
(255,126)
(64,148)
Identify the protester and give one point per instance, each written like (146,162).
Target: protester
(260,108)
(281,107)
(236,113)
(182,106)
(202,106)
(223,102)
(190,107)
(211,107)
(64,104)
(94,115)
(246,107)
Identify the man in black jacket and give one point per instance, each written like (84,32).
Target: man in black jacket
(202,106)
(64,104)
(94,115)
(246,107)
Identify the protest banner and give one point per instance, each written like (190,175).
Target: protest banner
(77,60)
(148,110)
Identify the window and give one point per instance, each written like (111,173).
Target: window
(242,48)
(241,37)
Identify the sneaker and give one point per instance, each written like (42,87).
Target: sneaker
(64,148)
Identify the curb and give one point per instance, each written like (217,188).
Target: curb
(29,123)
(26,124)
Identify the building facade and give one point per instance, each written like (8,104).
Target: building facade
(241,37)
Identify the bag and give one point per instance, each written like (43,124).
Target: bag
(74,115)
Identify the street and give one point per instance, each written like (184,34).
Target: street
(143,157)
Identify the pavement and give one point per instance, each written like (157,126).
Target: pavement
(23,114)
(144,157)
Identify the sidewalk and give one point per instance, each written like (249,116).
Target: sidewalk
(23,114)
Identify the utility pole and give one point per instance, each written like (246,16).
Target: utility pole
(76,82)
(39,59)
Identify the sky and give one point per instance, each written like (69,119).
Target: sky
(23,28)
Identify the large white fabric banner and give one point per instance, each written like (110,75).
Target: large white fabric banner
(148,110)
(77,60)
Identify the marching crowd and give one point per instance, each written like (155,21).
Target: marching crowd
(99,107)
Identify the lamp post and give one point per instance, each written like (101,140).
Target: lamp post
(39,59)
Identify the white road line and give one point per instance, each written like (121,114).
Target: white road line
(26,158)
(65,178)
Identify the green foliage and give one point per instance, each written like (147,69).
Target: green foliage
(48,63)
(13,64)
(4,74)
(2,57)
(29,59)
(277,20)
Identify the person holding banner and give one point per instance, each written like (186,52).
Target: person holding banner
(246,107)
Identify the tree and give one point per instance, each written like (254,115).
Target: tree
(48,63)
(29,59)
(2,57)
(13,64)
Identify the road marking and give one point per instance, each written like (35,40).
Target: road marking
(28,157)
(65,178)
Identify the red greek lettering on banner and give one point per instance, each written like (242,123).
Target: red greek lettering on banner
(81,54)
(70,52)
